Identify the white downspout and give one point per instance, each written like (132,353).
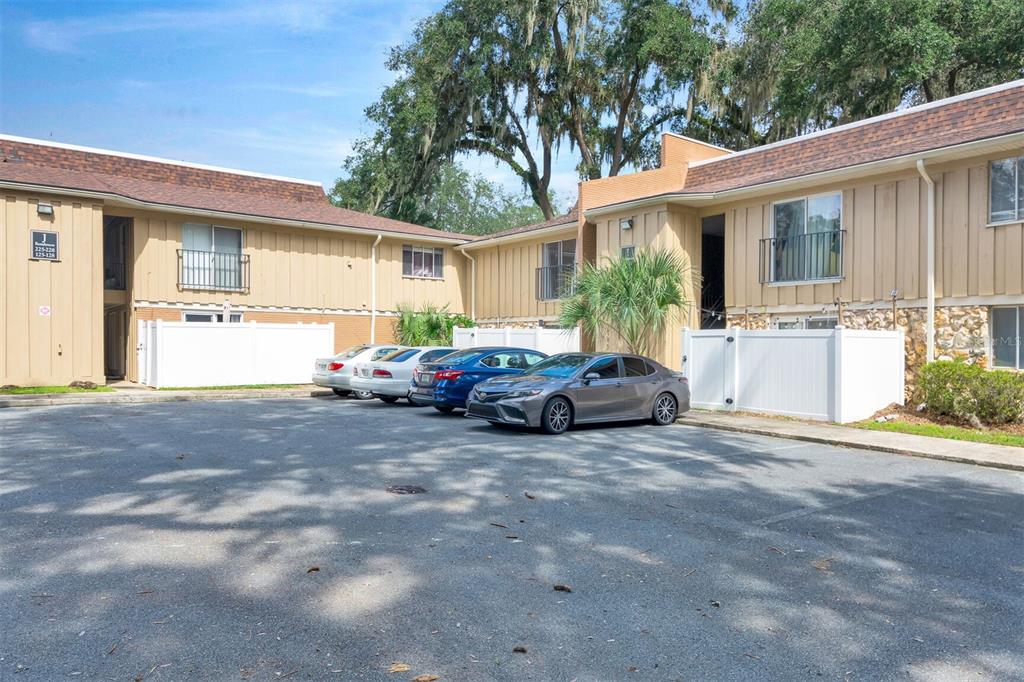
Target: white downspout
(472,284)
(373,289)
(930,333)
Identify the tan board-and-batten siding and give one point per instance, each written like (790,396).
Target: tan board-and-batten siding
(51,312)
(886,242)
(293,267)
(506,279)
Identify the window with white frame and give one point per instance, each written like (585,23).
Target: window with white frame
(211,257)
(1005,327)
(811,322)
(422,261)
(1006,190)
(209,316)
(806,242)
(558,265)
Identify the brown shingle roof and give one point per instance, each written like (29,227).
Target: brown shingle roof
(570,218)
(186,186)
(989,113)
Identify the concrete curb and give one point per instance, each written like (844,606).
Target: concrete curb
(142,397)
(859,444)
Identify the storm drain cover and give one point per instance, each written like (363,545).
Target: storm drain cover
(406,489)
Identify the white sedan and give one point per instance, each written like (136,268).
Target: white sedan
(389,377)
(335,373)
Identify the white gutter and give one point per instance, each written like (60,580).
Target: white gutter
(930,322)
(121,200)
(373,289)
(472,282)
(518,236)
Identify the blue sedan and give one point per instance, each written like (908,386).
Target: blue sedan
(446,384)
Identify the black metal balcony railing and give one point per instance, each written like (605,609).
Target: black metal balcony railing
(113,276)
(213,270)
(802,257)
(555,281)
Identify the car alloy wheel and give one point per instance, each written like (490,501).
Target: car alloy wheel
(665,409)
(363,395)
(557,416)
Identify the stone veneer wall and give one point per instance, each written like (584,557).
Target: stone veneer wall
(515,324)
(961,332)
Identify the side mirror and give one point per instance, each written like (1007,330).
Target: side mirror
(590,376)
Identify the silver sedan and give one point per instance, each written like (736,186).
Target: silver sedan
(580,388)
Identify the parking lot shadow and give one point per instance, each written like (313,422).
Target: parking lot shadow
(259,540)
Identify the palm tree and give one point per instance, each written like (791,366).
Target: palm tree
(429,326)
(632,297)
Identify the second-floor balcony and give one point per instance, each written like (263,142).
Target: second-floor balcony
(555,282)
(216,271)
(802,258)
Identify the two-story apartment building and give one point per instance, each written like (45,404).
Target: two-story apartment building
(920,211)
(94,241)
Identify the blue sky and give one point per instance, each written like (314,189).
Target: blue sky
(276,86)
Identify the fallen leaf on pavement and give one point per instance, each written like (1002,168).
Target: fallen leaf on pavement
(313,569)
(824,564)
(498,525)
(519,649)
(716,604)
(399,668)
(529,496)
(563,588)
(512,537)
(425,678)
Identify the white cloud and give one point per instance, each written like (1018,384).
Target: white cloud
(318,144)
(295,16)
(318,90)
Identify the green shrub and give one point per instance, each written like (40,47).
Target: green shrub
(965,392)
(429,326)
(1000,397)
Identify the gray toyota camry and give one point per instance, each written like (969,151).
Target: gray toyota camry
(581,388)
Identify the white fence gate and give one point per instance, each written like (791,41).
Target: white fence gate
(548,341)
(230,354)
(840,375)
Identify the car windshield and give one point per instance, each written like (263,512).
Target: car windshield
(400,355)
(561,366)
(350,352)
(461,357)
(436,354)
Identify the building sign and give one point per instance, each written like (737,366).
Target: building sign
(44,245)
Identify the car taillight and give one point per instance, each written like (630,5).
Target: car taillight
(383,373)
(335,366)
(448,374)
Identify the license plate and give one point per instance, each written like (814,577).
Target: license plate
(422,391)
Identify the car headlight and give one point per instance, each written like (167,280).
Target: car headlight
(524,394)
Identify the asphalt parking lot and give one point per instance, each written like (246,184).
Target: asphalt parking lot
(257,540)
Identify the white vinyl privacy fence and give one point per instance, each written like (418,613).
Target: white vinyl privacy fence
(549,341)
(230,354)
(840,375)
